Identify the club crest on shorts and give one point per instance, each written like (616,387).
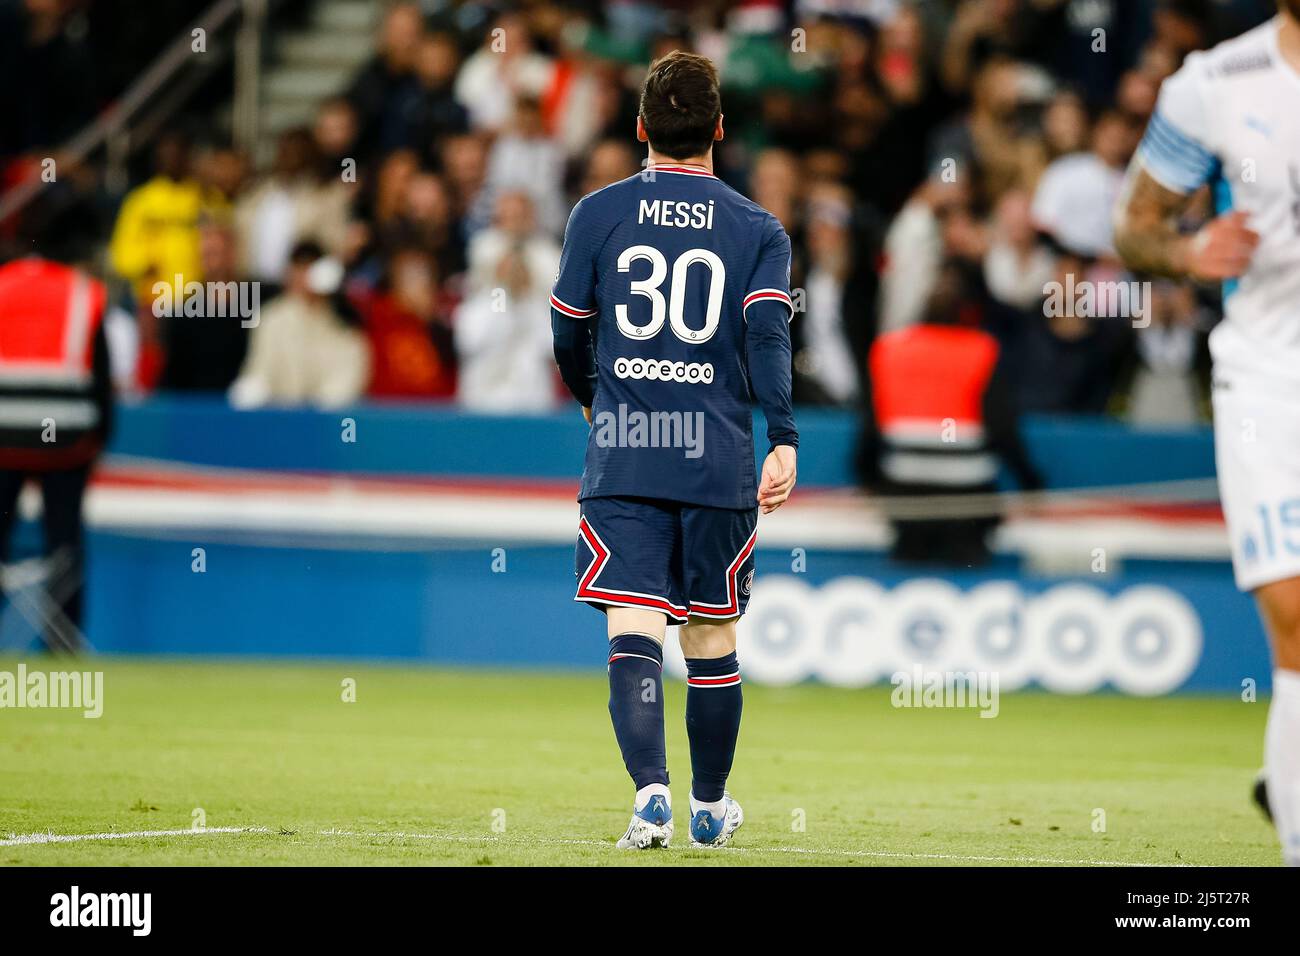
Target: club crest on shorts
(747,584)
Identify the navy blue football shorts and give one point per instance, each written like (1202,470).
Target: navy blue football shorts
(684,560)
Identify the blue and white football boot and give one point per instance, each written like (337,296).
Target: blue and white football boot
(651,826)
(710,831)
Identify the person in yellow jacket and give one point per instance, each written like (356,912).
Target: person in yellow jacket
(156,237)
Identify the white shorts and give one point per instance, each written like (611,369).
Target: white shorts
(1257,451)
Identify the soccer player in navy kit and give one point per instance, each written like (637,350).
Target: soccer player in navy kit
(671,306)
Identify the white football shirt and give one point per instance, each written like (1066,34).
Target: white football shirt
(1230,118)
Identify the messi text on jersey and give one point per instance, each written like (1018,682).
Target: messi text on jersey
(682,215)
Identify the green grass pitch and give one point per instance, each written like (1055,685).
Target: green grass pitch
(437,766)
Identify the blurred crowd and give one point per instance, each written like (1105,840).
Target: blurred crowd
(403,243)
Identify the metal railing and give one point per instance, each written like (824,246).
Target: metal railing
(112,129)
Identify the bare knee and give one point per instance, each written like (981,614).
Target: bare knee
(1279,605)
(624,620)
(704,638)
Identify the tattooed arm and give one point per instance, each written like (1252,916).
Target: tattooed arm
(1148,240)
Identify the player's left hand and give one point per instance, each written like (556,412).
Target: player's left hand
(586,413)
(778,478)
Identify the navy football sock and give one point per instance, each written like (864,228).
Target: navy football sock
(636,705)
(712,722)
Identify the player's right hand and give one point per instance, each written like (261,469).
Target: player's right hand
(778,478)
(586,413)
(1222,249)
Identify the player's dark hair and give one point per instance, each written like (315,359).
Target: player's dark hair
(680,104)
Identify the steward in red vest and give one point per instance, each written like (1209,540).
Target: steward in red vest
(55,416)
(941,421)
(54,407)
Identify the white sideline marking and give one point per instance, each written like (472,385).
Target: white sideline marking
(27,839)
(38,838)
(877,854)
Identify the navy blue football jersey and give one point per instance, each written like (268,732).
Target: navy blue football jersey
(668,266)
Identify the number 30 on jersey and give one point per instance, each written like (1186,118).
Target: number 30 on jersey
(673,308)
